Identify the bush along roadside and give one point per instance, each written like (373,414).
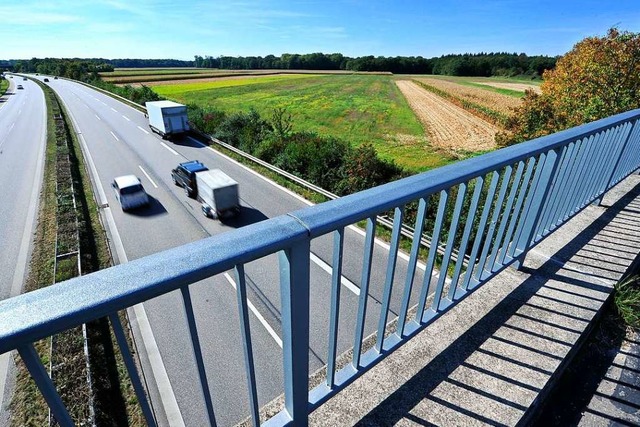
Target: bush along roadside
(70,241)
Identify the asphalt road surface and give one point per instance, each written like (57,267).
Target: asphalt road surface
(22,142)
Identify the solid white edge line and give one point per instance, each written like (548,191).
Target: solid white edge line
(23,252)
(126,118)
(143,130)
(326,267)
(98,117)
(170,149)
(147,175)
(114,135)
(167,396)
(255,311)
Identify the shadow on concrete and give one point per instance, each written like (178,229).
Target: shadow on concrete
(499,370)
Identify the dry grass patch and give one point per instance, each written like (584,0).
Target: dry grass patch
(503,104)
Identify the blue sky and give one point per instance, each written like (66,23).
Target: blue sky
(180,29)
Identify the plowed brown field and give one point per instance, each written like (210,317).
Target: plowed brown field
(520,87)
(448,126)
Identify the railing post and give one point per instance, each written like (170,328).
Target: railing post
(294,288)
(539,197)
(615,166)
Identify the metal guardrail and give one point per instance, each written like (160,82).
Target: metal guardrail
(505,202)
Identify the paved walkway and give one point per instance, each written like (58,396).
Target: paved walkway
(494,357)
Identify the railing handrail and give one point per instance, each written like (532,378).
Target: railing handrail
(35,315)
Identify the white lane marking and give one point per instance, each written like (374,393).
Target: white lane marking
(167,396)
(114,135)
(326,267)
(379,242)
(143,130)
(126,118)
(147,175)
(169,148)
(12,125)
(255,311)
(97,117)
(114,110)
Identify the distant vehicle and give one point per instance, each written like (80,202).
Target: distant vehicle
(55,77)
(20,87)
(167,118)
(46,80)
(184,175)
(218,194)
(24,78)
(130,192)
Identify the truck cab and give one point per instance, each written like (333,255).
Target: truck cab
(184,175)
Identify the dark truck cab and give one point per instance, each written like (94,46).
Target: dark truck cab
(185,176)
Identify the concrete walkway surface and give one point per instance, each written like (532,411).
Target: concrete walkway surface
(494,357)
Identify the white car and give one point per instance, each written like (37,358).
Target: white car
(130,192)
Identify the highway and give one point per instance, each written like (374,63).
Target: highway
(22,142)
(118,142)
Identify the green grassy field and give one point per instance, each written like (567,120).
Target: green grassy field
(356,108)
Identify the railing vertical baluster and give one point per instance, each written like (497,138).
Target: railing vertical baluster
(549,169)
(505,216)
(630,157)
(431,258)
(245,329)
(608,161)
(131,369)
(455,219)
(479,183)
(612,174)
(561,187)
(572,181)
(45,385)
(391,269)
(584,171)
(480,231)
(411,269)
(336,275)
(532,185)
(197,352)
(364,290)
(594,165)
(497,211)
(294,289)
(556,186)
(517,211)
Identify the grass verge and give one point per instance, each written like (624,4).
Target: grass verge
(4,85)
(115,402)
(627,300)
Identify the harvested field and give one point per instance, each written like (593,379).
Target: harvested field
(520,87)
(209,79)
(448,126)
(492,100)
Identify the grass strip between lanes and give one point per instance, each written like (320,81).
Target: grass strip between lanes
(114,399)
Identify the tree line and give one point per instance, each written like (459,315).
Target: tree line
(480,64)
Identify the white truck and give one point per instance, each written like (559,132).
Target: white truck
(218,194)
(167,118)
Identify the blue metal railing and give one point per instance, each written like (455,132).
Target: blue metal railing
(493,207)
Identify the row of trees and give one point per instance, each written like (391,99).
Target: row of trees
(481,64)
(79,69)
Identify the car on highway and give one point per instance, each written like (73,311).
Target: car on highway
(24,78)
(184,175)
(46,80)
(20,87)
(130,192)
(55,77)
